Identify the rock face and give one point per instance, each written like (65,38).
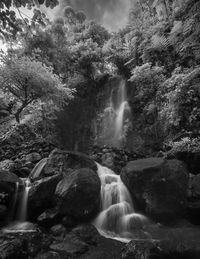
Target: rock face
(193,203)
(41,195)
(67,184)
(60,161)
(78,194)
(158,186)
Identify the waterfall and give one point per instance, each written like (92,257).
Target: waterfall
(117,217)
(22,214)
(115,116)
(35,173)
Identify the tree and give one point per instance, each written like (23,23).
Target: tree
(9,24)
(26,80)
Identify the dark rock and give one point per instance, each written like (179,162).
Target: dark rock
(50,255)
(7,165)
(58,230)
(190,158)
(3,211)
(159,186)
(78,194)
(33,157)
(12,249)
(87,233)
(69,222)
(61,161)
(139,249)
(41,195)
(49,218)
(193,211)
(70,246)
(108,160)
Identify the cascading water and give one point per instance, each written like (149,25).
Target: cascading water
(22,213)
(117,217)
(19,221)
(115,117)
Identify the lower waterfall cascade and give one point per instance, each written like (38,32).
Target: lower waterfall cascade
(117,217)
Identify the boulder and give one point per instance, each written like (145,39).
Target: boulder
(41,195)
(60,161)
(49,218)
(78,194)
(33,157)
(190,158)
(12,249)
(3,212)
(193,203)
(158,186)
(142,249)
(7,165)
(71,247)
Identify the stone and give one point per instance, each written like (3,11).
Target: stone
(87,233)
(48,218)
(12,249)
(108,160)
(3,211)
(139,249)
(60,161)
(41,195)
(58,230)
(158,186)
(78,194)
(70,246)
(33,157)
(190,158)
(7,165)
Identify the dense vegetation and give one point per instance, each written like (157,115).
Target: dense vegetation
(158,52)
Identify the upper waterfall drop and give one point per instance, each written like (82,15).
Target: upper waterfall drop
(117,217)
(115,116)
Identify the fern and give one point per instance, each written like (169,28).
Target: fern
(160,43)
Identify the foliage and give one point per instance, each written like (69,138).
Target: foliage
(182,106)
(26,80)
(146,80)
(9,23)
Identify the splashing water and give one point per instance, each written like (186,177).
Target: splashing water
(118,217)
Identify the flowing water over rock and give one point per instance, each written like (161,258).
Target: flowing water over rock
(115,117)
(118,217)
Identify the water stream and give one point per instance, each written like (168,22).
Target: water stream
(115,116)
(117,217)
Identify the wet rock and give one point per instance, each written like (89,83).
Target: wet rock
(33,157)
(159,186)
(78,194)
(87,233)
(190,158)
(60,161)
(10,249)
(70,246)
(139,249)
(49,218)
(69,222)
(3,211)
(58,230)
(108,160)
(50,255)
(41,195)
(7,165)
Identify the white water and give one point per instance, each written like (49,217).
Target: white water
(35,173)
(117,217)
(115,117)
(24,201)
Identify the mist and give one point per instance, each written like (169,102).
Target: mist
(112,14)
